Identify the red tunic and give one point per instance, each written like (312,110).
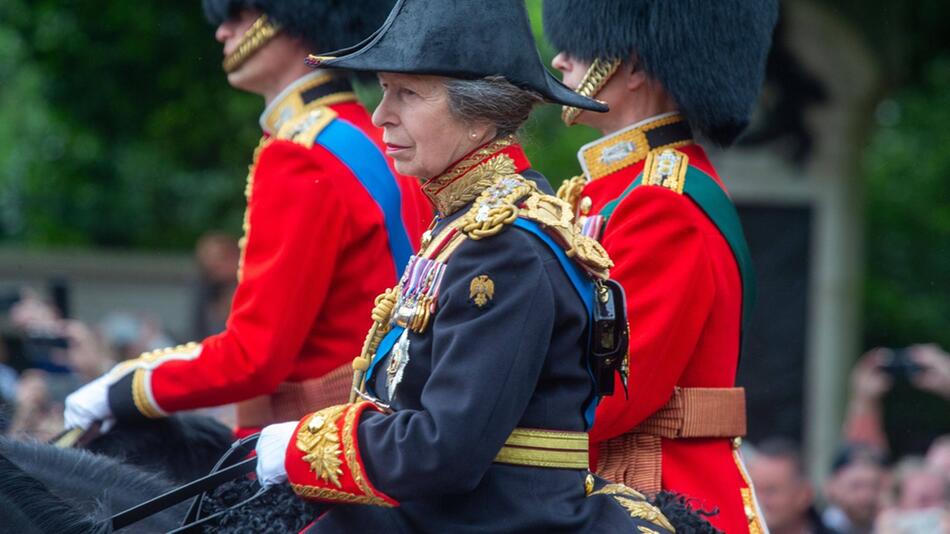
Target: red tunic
(684,300)
(315,254)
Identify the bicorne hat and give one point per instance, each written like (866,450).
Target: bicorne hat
(322,24)
(465,39)
(709,55)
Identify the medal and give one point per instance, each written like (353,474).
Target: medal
(398,359)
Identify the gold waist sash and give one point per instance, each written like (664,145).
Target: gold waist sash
(545,448)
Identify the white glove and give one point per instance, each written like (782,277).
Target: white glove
(89,404)
(271,450)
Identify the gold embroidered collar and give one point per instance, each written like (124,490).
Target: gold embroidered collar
(465,180)
(631,145)
(316,89)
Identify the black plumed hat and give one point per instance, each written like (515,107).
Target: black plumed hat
(461,39)
(709,55)
(323,24)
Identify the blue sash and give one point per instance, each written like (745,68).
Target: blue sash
(361,155)
(585,290)
(385,346)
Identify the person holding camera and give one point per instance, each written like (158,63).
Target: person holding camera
(926,367)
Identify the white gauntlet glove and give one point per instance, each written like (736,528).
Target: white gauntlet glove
(89,404)
(271,450)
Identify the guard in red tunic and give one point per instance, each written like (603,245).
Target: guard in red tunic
(328,225)
(668,71)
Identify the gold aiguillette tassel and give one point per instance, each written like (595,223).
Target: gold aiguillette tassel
(382,313)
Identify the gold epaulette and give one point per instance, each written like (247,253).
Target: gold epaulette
(666,168)
(305,128)
(512,196)
(557,219)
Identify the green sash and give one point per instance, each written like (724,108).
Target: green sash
(714,202)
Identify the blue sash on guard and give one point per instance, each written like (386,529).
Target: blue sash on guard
(361,155)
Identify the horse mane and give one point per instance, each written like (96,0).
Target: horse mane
(182,447)
(278,511)
(28,507)
(686,518)
(87,483)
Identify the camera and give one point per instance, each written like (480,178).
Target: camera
(900,365)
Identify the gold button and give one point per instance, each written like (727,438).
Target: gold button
(585,205)
(316,423)
(736,443)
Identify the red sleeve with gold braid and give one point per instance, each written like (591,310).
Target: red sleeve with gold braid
(298,224)
(323,458)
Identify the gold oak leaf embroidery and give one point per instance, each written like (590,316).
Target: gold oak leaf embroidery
(481,290)
(318,438)
(645,511)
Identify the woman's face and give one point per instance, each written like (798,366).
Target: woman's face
(422,136)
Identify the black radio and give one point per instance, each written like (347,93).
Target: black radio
(609,342)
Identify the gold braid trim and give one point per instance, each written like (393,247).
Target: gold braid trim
(140,396)
(636,504)
(596,77)
(248,190)
(313,492)
(749,504)
(349,448)
(258,35)
(496,205)
(450,191)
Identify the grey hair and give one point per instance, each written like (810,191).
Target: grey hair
(491,99)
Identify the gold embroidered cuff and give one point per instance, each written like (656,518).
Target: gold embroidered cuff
(323,461)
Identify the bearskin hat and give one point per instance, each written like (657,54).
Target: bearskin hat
(323,24)
(709,55)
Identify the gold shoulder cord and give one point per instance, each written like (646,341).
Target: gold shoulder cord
(382,312)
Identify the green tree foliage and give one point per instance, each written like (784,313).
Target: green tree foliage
(117,127)
(908,226)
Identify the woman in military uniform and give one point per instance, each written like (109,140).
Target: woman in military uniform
(474,389)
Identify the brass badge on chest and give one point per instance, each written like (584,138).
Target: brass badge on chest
(481,291)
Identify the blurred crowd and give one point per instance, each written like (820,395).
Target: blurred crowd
(45,355)
(867,490)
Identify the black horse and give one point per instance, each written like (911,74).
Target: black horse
(181,448)
(47,489)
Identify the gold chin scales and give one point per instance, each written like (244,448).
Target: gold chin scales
(594,80)
(258,35)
